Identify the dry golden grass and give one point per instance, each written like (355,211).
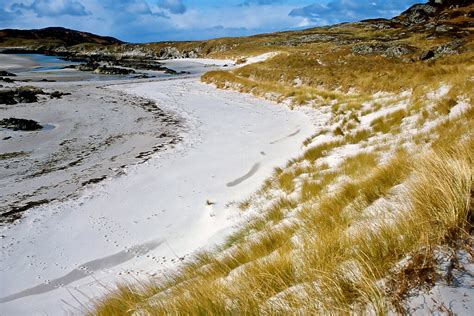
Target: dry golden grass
(335,270)
(389,123)
(324,76)
(314,153)
(333,233)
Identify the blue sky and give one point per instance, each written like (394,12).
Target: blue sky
(159,20)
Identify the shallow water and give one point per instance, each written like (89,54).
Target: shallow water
(37,67)
(48,127)
(47,62)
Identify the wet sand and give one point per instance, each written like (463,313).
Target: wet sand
(15,63)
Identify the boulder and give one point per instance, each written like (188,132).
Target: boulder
(17,124)
(171,72)
(26,96)
(7,97)
(7,80)
(107,70)
(57,94)
(169,53)
(427,55)
(398,51)
(89,66)
(4,73)
(20,95)
(451,48)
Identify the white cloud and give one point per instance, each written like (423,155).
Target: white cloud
(351,10)
(175,6)
(52,8)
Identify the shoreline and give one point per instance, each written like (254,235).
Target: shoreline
(80,133)
(16,63)
(166,197)
(84,145)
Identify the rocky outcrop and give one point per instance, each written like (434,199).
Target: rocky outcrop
(422,13)
(449,2)
(20,95)
(119,65)
(89,66)
(17,124)
(25,94)
(169,53)
(340,39)
(104,69)
(451,48)
(417,14)
(108,70)
(383,49)
(4,73)
(7,97)
(6,79)
(57,95)
(140,63)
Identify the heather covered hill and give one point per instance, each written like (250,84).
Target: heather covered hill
(52,36)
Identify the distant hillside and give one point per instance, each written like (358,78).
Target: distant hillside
(53,37)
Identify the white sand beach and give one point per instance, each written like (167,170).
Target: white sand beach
(145,221)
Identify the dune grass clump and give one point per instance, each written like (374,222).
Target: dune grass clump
(388,123)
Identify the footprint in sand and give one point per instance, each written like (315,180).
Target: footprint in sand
(288,136)
(248,175)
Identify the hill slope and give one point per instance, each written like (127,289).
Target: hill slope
(52,37)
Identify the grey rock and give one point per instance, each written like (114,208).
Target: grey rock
(7,97)
(426,55)
(7,80)
(17,124)
(108,70)
(170,53)
(443,28)
(383,49)
(451,48)
(191,54)
(398,51)
(20,95)
(419,13)
(58,94)
(4,73)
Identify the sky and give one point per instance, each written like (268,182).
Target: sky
(162,20)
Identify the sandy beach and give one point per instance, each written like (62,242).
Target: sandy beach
(155,214)
(89,135)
